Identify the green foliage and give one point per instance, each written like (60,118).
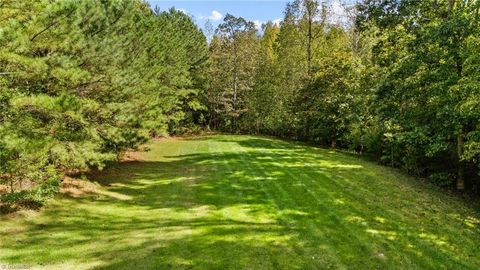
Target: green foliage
(400,83)
(426,81)
(83,81)
(47,185)
(231,71)
(442,179)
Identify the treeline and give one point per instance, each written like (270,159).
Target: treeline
(81,82)
(396,80)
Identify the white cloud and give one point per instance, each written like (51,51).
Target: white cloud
(339,13)
(215,16)
(338,8)
(258,24)
(183,11)
(277,21)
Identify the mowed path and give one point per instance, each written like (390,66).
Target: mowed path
(244,202)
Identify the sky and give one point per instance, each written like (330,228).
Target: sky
(258,11)
(214,10)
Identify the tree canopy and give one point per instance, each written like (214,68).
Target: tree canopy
(81,82)
(399,83)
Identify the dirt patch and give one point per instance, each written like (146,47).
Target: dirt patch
(4,189)
(185,136)
(171,138)
(132,156)
(76,187)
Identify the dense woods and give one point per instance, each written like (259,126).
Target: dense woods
(395,80)
(81,82)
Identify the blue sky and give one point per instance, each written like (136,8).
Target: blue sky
(258,11)
(214,10)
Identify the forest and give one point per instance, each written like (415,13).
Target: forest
(398,81)
(131,137)
(82,82)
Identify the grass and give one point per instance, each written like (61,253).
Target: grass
(244,202)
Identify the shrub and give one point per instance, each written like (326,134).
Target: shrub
(442,179)
(33,198)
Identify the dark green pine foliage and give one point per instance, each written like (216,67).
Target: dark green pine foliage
(83,81)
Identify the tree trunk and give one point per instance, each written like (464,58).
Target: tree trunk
(235,86)
(11,185)
(309,44)
(391,157)
(461,165)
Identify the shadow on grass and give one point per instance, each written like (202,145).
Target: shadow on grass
(259,204)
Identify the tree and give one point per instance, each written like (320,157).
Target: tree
(423,49)
(84,81)
(311,18)
(233,50)
(265,100)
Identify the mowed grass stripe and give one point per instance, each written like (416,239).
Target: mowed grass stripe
(267,251)
(410,257)
(256,230)
(321,185)
(323,218)
(246,202)
(285,203)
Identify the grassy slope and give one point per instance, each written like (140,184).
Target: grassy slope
(242,202)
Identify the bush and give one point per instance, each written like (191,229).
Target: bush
(442,179)
(33,198)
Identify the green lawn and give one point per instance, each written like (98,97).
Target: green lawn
(244,202)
